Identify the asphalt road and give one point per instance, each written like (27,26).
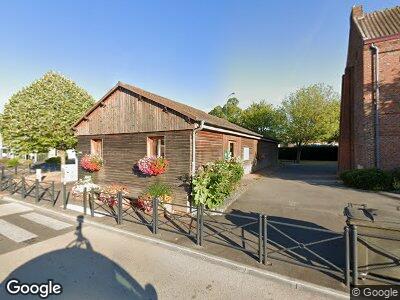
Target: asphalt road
(96,263)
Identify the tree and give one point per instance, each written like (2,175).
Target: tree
(40,116)
(230,111)
(262,118)
(311,114)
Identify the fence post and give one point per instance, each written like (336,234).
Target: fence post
(16,170)
(23,187)
(198,229)
(36,190)
(84,200)
(155,215)
(64,195)
(347,256)
(91,204)
(2,172)
(260,236)
(265,238)
(119,197)
(355,255)
(53,193)
(201,224)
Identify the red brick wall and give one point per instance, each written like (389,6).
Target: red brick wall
(357,140)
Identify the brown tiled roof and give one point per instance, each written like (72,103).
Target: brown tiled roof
(377,24)
(186,110)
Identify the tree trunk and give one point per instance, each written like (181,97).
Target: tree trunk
(298,154)
(62,153)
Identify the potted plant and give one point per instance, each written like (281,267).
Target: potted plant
(81,184)
(163,192)
(152,165)
(109,195)
(91,163)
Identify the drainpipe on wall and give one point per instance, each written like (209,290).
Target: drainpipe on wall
(200,127)
(376,106)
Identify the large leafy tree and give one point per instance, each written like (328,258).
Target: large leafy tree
(311,114)
(230,111)
(263,118)
(40,116)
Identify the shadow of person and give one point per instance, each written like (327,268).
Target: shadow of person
(80,241)
(298,242)
(82,272)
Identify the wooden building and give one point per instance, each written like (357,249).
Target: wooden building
(129,123)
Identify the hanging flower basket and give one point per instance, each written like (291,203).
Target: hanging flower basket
(152,165)
(91,163)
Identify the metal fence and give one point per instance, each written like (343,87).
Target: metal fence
(264,238)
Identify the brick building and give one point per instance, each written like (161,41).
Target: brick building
(370,108)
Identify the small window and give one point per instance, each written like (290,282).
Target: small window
(96,147)
(231,148)
(246,153)
(156,146)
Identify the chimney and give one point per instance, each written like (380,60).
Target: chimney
(357,12)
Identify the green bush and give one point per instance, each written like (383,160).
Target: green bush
(13,162)
(396,179)
(53,160)
(215,181)
(368,179)
(159,189)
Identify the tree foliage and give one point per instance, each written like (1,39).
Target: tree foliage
(263,118)
(230,111)
(311,114)
(40,116)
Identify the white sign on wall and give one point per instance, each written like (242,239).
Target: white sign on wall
(246,153)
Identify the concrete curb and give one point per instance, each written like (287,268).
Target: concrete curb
(292,282)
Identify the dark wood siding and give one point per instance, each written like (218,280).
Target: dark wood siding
(122,151)
(210,146)
(126,112)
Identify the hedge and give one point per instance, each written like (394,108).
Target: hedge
(372,179)
(310,152)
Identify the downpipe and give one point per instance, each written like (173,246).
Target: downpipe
(376,106)
(199,128)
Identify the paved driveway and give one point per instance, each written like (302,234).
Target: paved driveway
(310,192)
(300,201)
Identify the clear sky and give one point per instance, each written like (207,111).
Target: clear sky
(196,52)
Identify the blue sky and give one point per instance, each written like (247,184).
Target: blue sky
(196,52)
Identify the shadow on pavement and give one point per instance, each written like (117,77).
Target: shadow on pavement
(300,242)
(82,272)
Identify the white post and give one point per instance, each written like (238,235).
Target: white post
(39,174)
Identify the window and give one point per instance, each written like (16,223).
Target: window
(96,147)
(246,153)
(156,146)
(231,148)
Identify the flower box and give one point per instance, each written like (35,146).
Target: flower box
(152,165)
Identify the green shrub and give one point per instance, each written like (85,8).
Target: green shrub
(13,162)
(159,189)
(53,160)
(215,181)
(396,179)
(368,179)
